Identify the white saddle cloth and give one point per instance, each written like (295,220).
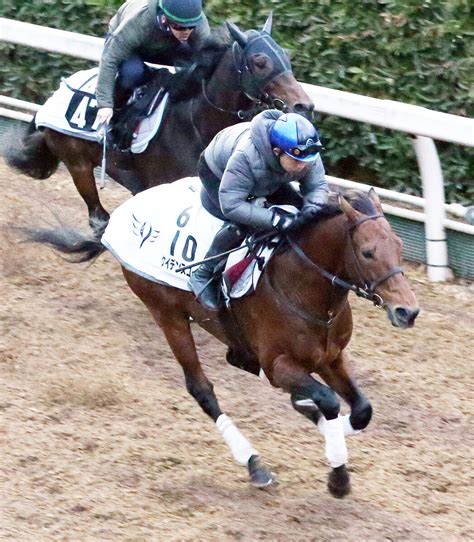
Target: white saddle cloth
(74,113)
(161,230)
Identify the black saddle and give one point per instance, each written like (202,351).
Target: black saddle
(143,101)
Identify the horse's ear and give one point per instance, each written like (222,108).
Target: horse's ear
(348,210)
(239,36)
(374,198)
(267,27)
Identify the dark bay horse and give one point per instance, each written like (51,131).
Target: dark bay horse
(297,323)
(238,73)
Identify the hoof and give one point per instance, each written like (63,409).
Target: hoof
(339,484)
(260,476)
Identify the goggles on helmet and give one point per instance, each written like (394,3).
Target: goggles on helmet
(305,151)
(180,27)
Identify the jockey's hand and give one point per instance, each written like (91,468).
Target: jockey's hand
(305,216)
(311,210)
(104,115)
(282,220)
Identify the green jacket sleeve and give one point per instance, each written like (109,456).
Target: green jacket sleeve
(127,32)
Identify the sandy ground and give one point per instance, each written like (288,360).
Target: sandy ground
(100,441)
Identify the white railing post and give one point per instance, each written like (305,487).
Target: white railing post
(433,192)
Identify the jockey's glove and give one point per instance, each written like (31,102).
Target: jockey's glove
(282,220)
(305,216)
(311,210)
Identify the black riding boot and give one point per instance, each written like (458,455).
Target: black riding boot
(203,283)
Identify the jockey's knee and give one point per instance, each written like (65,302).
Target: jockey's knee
(361,415)
(131,73)
(328,403)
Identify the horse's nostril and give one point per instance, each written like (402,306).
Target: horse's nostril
(413,315)
(401,313)
(406,315)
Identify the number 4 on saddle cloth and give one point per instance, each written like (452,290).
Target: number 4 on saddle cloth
(163,229)
(72,110)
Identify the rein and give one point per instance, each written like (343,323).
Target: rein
(262,102)
(367,291)
(240,113)
(287,305)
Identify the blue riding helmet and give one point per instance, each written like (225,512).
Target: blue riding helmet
(296,136)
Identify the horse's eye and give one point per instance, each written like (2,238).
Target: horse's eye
(262,65)
(368,254)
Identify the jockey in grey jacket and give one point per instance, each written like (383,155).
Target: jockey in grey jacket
(242,157)
(251,160)
(158,31)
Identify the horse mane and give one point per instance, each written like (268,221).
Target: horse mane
(186,83)
(359,200)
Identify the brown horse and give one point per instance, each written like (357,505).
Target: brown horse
(236,74)
(298,321)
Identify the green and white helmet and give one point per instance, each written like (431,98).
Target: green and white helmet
(187,13)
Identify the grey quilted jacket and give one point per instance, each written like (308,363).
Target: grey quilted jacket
(134,29)
(242,157)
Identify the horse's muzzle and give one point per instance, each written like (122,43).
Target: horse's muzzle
(305,109)
(402,317)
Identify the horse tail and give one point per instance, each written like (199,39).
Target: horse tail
(81,248)
(31,154)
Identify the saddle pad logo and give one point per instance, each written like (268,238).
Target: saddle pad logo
(144,231)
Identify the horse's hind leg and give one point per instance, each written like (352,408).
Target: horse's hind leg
(163,304)
(180,339)
(80,158)
(83,177)
(291,377)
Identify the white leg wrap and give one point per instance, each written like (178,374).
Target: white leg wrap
(348,429)
(240,447)
(263,377)
(336,449)
(346,424)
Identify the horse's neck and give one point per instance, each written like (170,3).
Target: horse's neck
(224,87)
(325,245)
(224,92)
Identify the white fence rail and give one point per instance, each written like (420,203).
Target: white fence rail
(423,124)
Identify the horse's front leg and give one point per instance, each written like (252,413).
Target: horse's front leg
(291,377)
(336,375)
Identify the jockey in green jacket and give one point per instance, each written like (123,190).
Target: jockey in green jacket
(156,31)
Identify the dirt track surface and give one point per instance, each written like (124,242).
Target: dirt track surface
(100,440)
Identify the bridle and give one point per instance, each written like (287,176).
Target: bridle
(250,85)
(369,287)
(365,290)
